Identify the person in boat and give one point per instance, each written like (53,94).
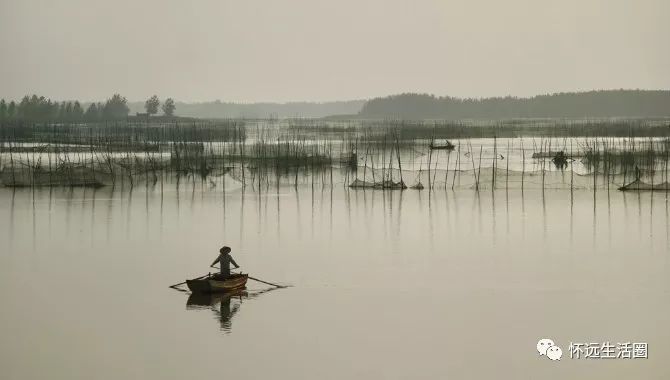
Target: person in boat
(225,259)
(560,160)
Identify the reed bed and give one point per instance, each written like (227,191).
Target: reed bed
(377,155)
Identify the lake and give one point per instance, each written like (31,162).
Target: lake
(385,284)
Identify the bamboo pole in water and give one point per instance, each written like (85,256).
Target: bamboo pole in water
(544,161)
(430,157)
(495,158)
(397,146)
(437,159)
(365,164)
(595,171)
(652,157)
(458,165)
(391,154)
(507,168)
(572,172)
(474,170)
(523,164)
(608,167)
(479,170)
(665,169)
(372,168)
(446,175)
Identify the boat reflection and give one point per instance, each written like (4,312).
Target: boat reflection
(224,305)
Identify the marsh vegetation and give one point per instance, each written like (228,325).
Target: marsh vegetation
(385,154)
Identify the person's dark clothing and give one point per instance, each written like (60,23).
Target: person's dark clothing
(225,259)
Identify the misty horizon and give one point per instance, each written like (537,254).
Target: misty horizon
(321,51)
(413,106)
(308,101)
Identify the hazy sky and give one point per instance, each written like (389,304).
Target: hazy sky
(282,50)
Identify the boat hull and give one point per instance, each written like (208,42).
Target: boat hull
(212,285)
(638,185)
(442,147)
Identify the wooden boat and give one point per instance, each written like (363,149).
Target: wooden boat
(638,185)
(547,154)
(448,146)
(385,185)
(212,285)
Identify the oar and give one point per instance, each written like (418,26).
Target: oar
(182,283)
(259,280)
(269,283)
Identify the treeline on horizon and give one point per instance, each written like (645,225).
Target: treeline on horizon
(604,103)
(218,109)
(35,108)
(41,109)
(408,106)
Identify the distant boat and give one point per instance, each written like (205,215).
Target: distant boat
(448,146)
(552,154)
(385,185)
(212,285)
(638,185)
(560,160)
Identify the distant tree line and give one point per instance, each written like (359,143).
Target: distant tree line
(39,108)
(220,109)
(610,103)
(43,109)
(36,108)
(152,104)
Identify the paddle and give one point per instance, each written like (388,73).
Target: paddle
(269,283)
(259,280)
(182,283)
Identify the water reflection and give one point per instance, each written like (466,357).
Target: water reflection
(224,305)
(464,253)
(331,213)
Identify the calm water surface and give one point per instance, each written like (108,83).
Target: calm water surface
(392,285)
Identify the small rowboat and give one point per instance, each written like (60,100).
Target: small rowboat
(212,285)
(448,146)
(638,185)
